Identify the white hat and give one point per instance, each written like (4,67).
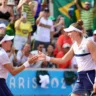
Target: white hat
(6,38)
(2,25)
(94,32)
(10,2)
(66,45)
(72,28)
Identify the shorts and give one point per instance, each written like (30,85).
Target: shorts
(84,83)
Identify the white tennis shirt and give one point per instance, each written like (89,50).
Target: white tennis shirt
(4,59)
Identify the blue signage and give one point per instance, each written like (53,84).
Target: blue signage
(24,84)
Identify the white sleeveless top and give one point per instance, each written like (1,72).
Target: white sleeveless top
(83,56)
(4,59)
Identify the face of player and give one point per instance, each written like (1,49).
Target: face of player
(7,45)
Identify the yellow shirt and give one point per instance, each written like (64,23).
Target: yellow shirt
(24,29)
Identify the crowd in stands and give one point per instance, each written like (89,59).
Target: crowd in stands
(35,29)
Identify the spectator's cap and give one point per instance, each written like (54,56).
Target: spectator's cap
(94,33)
(6,38)
(11,2)
(46,9)
(52,18)
(2,25)
(66,45)
(72,28)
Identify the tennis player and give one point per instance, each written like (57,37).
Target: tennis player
(85,52)
(6,66)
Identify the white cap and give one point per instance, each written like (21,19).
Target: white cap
(6,38)
(11,2)
(94,32)
(72,28)
(66,45)
(2,25)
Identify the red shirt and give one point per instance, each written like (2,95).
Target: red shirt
(64,65)
(61,40)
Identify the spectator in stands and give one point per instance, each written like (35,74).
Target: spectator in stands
(59,24)
(12,56)
(2,29)
(87,15)
(40,48)
(23,32)
(23,54)
(93,38)
(44,29)
(60,54)
(29,7)
(6,13)
(63,38)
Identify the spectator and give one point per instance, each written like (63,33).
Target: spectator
(23,32)
(44,29)
(2,29)
(12,56)
(6,13)
(23,54)
(65,49)
(35,52)
(63,38)
(29,7)
(87,15)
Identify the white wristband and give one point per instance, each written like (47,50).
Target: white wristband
(48,58)
(26,64)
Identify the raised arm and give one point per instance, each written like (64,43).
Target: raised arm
(77,4)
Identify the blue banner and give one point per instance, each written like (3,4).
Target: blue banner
(24,84)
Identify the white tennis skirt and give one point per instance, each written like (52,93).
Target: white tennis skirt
(19,42)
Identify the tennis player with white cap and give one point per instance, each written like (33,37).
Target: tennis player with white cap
(6,66)
(85,52)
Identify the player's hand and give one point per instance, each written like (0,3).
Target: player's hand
(41,56)
(32,59)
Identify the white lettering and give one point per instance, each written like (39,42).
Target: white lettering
(34,83)
(21,82)
(54,82)
(12,82)
(63,84)
(28,82)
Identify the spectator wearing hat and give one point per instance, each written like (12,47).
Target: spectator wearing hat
(65,49)
(93,38)
(6,13)
(2,29)
(44,29)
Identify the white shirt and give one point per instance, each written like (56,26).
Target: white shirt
(43,34)
(21,59)
(4,59)
(83,57)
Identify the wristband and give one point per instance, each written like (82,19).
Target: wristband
(26,64)
(48,58)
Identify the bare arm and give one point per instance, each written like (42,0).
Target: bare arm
(78,6)
(92,48)
(14,70)
(68,56)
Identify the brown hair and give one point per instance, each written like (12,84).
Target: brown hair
(78,25)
